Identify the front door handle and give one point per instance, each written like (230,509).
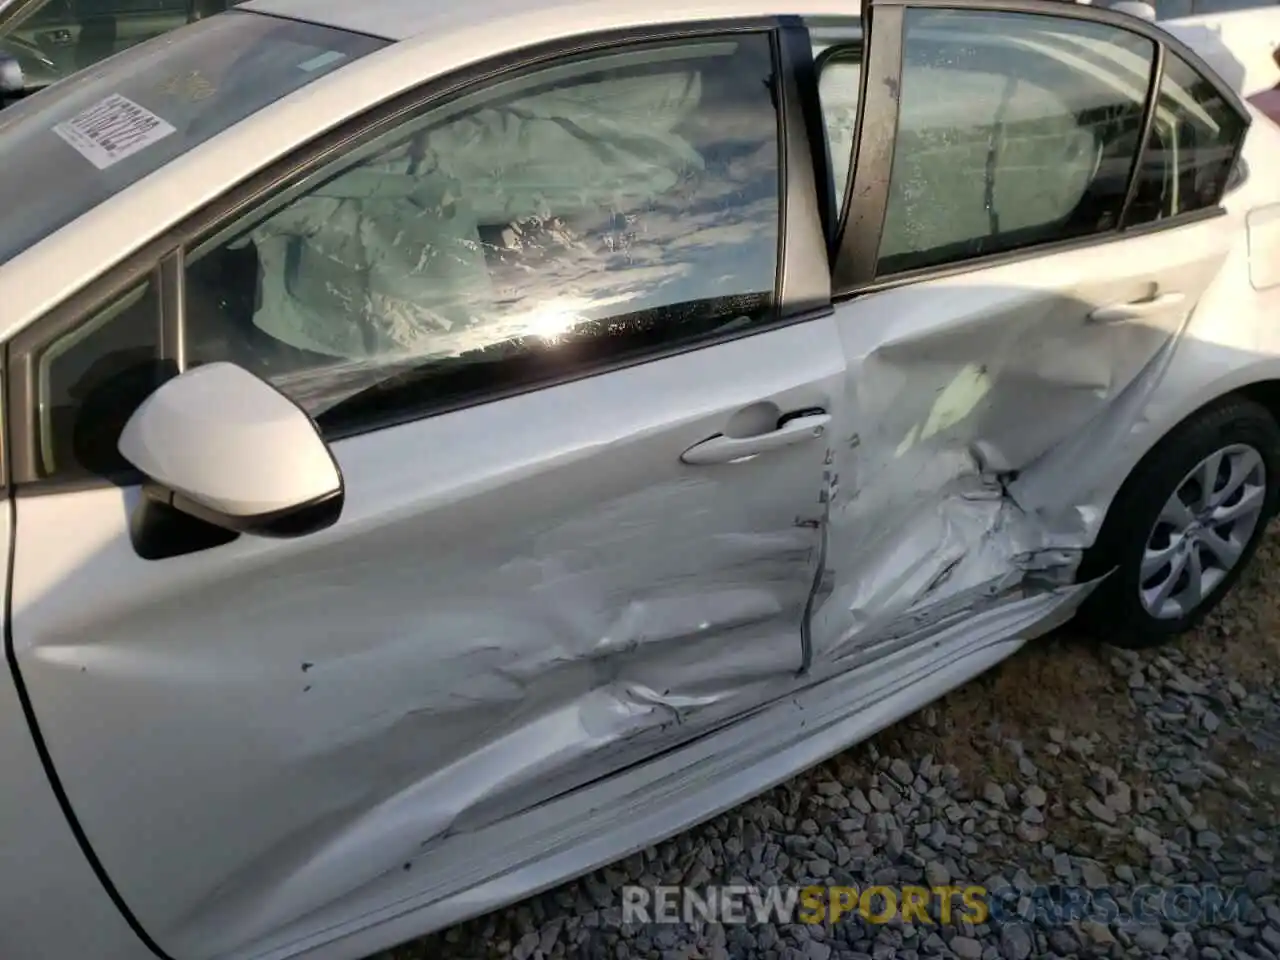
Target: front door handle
(722,449)
(1136,309)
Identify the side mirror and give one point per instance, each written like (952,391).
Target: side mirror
(220,445)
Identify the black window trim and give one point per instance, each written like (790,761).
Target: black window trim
(803,75)
(1144,140)
(802,283)
(6,480)
(22,388)
(867,191)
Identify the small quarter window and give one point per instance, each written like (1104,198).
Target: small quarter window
(1014,130)
(1195,135)
(90,380)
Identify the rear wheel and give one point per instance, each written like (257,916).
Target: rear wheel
(1184,525)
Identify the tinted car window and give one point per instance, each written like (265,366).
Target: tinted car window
(1014,130)
(593,211)
(53,39)
(99,132)
(1194,138)
(90,381)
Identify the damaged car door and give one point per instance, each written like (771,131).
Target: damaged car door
(1045,232)
(581,414)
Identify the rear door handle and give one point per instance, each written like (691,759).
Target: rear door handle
(1136,309)
(722,449)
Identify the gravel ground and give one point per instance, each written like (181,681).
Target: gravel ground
(1071,763)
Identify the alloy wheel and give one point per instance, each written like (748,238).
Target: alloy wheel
(1202,531)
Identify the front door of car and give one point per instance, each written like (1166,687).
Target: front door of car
(1042,243)
(582,428)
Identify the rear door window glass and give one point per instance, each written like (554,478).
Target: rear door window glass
(1014,130)
(1195,136)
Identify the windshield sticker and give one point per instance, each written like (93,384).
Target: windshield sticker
(111,130)
(323,60)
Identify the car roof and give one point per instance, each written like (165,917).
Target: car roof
(402,19)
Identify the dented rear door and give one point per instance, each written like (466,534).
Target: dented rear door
(958,384)
(993,306)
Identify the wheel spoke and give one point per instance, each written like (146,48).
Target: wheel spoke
(1176,513)
(1207,476)
(1226,550)
(1155,560)
(1242,464)
(1157,596)
(1193,592)
(1250,503)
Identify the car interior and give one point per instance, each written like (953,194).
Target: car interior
(513,233)
(989,161)
(1024,166)
(704,170)
(54,38)
(647,213)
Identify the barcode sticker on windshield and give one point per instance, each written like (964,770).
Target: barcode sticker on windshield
(112,129)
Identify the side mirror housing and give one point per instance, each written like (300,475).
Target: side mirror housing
(219,444)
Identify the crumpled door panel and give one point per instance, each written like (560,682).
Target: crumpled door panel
(520,598)
(957,385)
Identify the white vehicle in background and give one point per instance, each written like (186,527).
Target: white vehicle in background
(447,447)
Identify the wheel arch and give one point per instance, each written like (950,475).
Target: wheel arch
(1265,393)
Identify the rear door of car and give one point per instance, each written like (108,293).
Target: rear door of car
(585,532)
(1033,217)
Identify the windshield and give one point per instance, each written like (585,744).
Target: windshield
(67,148)
(52,39)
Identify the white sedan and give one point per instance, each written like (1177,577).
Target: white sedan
(450,446)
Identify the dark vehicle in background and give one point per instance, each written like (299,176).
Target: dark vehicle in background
(43,41)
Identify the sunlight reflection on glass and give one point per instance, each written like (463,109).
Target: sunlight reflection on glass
(610,210)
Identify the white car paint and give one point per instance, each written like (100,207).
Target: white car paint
(256,455)
(1240,45)
(313,830)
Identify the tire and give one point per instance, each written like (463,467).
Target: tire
(1127,609)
